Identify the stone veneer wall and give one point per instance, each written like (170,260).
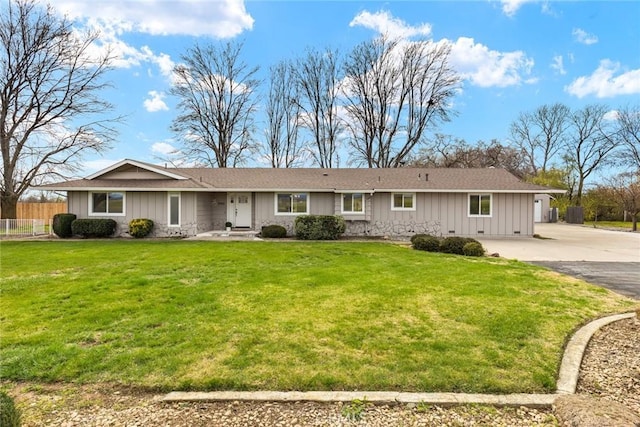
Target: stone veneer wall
(373,228)
(391,228)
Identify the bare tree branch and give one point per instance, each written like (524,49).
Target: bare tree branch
(395,91)
(217,92)
(588,145)
(50,111)
(541,134)
(283,147)
(317,80)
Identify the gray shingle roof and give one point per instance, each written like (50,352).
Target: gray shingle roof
(316,179)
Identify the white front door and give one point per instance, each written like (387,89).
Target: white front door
(239,211)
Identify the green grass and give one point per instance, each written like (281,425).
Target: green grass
(284,316)
(628,225)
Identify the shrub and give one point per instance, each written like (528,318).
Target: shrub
(319,227)
(417,236)
(473,249)
(424,242)
(140,227)
(274,231)
(62,224)
(9,414)
(455,244)
(93,227)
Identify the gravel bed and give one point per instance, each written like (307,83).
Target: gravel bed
(610,370)
(611,365)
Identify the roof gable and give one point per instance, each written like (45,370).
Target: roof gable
(132,169)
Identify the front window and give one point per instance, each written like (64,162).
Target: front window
(353,203)
(479,204)
(403,201)
(292,203)
(174,209)
(106,203)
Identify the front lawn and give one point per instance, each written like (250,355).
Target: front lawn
(284,316)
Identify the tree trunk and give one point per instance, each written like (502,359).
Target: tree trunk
(8,206)
(634,222)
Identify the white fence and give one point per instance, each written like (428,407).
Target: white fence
(23,227)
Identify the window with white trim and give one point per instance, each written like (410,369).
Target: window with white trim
(174,210)
(107,203)
(479,204)
(352,203)
(292,203)
(403,201)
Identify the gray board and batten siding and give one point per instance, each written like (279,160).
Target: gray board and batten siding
(204,197)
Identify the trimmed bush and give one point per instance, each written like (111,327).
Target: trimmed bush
(140,227)
(274,231)
(473,249)
(417,236)
(424,242)
(319,227)
(93,227)
(455,244)
(62,224)
(9,414)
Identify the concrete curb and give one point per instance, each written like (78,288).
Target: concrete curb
(573,353)
(567,381)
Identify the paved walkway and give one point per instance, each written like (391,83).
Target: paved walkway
(567,381)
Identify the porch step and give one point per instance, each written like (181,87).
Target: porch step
(228,235)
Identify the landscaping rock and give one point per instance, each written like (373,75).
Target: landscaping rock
(588,411)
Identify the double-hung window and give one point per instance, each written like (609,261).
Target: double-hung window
(352,203)
(292,203)
(479,204)
(403,201)
(107,203)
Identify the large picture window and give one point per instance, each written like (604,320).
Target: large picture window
(403,201)
(106,203)
(353,203)
(479,204)
(174,209)
(292,203)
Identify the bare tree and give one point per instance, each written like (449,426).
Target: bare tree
(50,111)
(628,134)
(541,134)
(447,152)
(217,92)
(589,144)
(626,189)
(395,90)
(317,78)
(284,148)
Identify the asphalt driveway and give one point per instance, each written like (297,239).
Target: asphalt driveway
(602,257)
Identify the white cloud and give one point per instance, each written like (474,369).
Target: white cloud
(603,83)
(485,67)
(474,61)
(510,7)
(155,103)
(611,115)
(384,23)
(163,148)
(581,36)
(220,18)
(558,65)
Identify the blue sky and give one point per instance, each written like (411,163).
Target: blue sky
(513,55)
